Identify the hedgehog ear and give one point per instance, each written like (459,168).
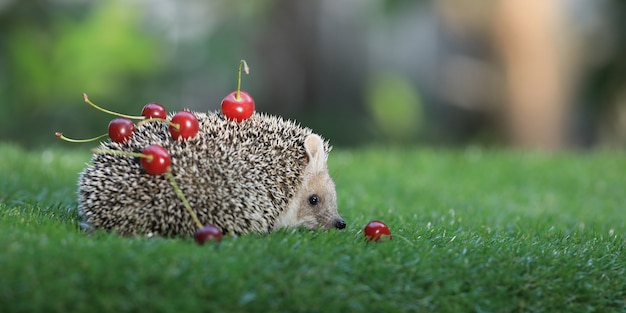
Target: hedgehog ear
(314,146)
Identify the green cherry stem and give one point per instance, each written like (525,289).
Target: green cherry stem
(119,152)
(246,69)
(134,117)
(60,136)
(156,119)
(183,198)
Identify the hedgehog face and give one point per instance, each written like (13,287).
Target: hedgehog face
(315,203)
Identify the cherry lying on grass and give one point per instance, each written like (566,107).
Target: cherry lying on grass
(376,230)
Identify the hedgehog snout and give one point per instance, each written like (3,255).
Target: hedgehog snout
(339,223)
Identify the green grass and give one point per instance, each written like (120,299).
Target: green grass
(474,231)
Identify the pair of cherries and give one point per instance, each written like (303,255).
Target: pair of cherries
(183,124)
(155,160)
(122,128)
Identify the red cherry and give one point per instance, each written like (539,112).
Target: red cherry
(156,160)
(376,230)
(188,125)
(121,129)
(238,109)
(238,105)
(208,232)
(154,110)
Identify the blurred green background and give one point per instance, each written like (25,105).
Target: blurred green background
(440,72)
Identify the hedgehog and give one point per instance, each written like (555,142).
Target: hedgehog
(254,176)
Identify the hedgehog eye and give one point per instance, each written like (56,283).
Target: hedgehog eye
(314,199)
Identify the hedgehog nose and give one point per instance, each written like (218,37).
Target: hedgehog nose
(340,224)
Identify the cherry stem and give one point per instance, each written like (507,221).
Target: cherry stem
(156,119)
(119,152)
(246,69)
(183,198)
(111,112)
(60,136)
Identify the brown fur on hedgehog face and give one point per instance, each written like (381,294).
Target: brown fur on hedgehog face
(315,203)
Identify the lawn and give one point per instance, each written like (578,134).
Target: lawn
(474,230)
